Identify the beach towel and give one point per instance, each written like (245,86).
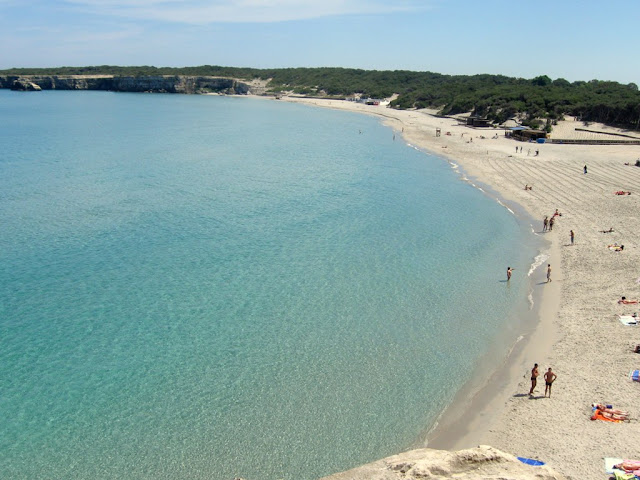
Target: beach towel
(610,462)
(622,475)
(531,461)
(634,375)
(628,320)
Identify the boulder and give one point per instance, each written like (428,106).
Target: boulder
(478,463)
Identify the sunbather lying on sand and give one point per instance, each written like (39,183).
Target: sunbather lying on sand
(607,231)
(617,248)
(607,415)
(624,301)
(622,192)
(629,466)
(609,409)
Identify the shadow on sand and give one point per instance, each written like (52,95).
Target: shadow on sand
(531,397)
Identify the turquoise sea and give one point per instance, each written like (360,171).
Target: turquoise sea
(201,287)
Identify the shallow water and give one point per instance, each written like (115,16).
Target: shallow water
(209,287)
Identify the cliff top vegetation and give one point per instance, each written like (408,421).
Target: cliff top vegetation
(538,102)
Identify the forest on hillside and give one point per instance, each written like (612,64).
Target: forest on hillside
(539,102)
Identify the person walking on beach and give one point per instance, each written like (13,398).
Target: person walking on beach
(551,220)
(509,270)
(549,377)
(572,235)
(534,378)
(584,169)
(545,224)
(548,272)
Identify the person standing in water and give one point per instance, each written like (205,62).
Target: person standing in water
(509,270)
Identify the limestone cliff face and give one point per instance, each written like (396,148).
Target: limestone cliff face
(480,463)
(24,86)
(158,84)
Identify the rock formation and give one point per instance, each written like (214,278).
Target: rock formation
(156,83)
(25,86)
(480,463)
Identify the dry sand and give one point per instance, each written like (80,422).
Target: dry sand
(578,333)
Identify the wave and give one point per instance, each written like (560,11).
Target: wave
(505,206)
(539,260)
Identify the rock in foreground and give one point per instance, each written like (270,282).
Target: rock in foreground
(480,463)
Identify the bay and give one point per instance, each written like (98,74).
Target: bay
(209,287)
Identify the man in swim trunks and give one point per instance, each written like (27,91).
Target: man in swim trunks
(549,377)
(509,270)
(534,378)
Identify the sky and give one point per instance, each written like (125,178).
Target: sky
(570,39)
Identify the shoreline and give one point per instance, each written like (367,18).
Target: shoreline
(472,405)
(576,331)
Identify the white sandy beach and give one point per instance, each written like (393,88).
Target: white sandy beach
(578,333)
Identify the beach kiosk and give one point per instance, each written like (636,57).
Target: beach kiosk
(478,122)
(525,134)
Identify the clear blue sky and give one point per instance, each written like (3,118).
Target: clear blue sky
(571,39)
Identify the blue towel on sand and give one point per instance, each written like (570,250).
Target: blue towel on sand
(531,461)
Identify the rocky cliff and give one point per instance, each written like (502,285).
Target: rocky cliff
(481,463)
(158,84)
(24,86)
